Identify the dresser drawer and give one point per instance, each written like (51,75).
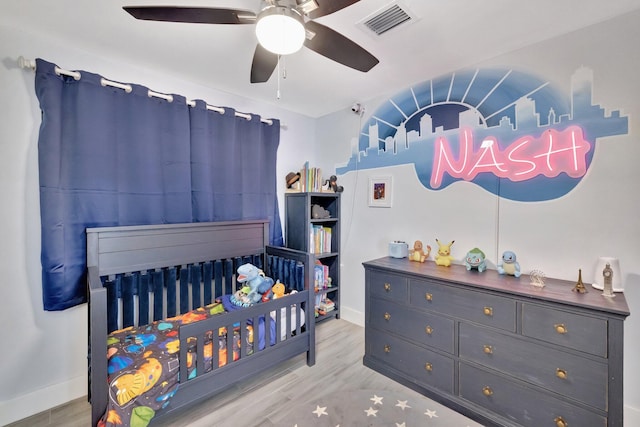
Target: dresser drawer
(426,329)
(570,375)
(487,309)
(422,366)
(387,285)
(521,404)
(583,333)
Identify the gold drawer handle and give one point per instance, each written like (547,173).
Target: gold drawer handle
(387,316)
(488,311)
(560,422)
(428,366)
(428,330)
(561,373)
(387,287)
(560,328)
(486,390)
(429,297)
(387,348)
(488,349)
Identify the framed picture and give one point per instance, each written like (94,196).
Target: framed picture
(380,192)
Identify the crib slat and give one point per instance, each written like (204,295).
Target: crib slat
(184,289)
(217,277)
(170,285)
(143,299)
(229,271)
(195,285)
(112,303)
(157,284)
(128,282)
(207,273)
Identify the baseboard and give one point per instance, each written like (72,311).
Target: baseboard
(631,416)
(352,316)
(42,400)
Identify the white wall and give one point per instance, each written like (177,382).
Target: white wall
(44,357)
(598,218)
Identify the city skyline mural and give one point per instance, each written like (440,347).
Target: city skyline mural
(509,132)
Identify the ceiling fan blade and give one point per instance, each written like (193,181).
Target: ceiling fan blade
(264,62)
(326,7)
(198,15)
(337,47)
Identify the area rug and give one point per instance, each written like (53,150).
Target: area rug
(374,408)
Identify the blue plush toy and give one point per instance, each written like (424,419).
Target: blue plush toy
(256,283)
(508,264)
(475,259)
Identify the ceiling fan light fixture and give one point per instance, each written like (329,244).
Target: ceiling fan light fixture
(280,30)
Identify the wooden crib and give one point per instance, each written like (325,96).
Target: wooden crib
(139,276)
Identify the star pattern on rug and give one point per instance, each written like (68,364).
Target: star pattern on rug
(371,412)
(431,413)
(377,400)
(320,411)
(370,406)
(402,404)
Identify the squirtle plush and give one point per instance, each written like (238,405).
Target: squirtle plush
(508,264)
(475,259)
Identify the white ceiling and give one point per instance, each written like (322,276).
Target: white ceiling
(445,35)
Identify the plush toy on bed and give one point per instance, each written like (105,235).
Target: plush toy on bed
(256,285)
(278,290)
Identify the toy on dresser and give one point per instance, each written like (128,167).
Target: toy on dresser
(508,264)
(418,253)
(443,257)
(475,259)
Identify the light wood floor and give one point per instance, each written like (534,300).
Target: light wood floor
(263,401)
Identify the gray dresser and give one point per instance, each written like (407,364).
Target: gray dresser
(494,347)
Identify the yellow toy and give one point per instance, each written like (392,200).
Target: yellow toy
(418,254)
(278,290)
(443,257)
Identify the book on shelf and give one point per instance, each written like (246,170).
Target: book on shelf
(321,277)
(319,239)
(310,179)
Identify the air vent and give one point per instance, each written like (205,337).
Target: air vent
(387,19)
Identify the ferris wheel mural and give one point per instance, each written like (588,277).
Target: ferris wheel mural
(507,131)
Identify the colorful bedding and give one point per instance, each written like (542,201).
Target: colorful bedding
(143,364)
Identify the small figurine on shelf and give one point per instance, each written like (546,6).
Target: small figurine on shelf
(443,257)
(580,288)
(292,179)
(332,184)
(418,253)
(318,212)
(508,264)
(537,278)
(475,259)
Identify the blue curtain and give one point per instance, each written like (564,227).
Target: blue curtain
(108,157)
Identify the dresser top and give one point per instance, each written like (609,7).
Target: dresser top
(555,290)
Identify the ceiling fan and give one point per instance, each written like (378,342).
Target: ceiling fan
(294,23)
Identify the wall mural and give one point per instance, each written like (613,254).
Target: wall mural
(507,131)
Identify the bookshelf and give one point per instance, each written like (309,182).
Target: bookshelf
(319,236)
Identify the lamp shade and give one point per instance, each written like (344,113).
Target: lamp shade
(616,281)
(280,30)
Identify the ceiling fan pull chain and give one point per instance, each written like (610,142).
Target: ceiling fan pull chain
(278,90)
